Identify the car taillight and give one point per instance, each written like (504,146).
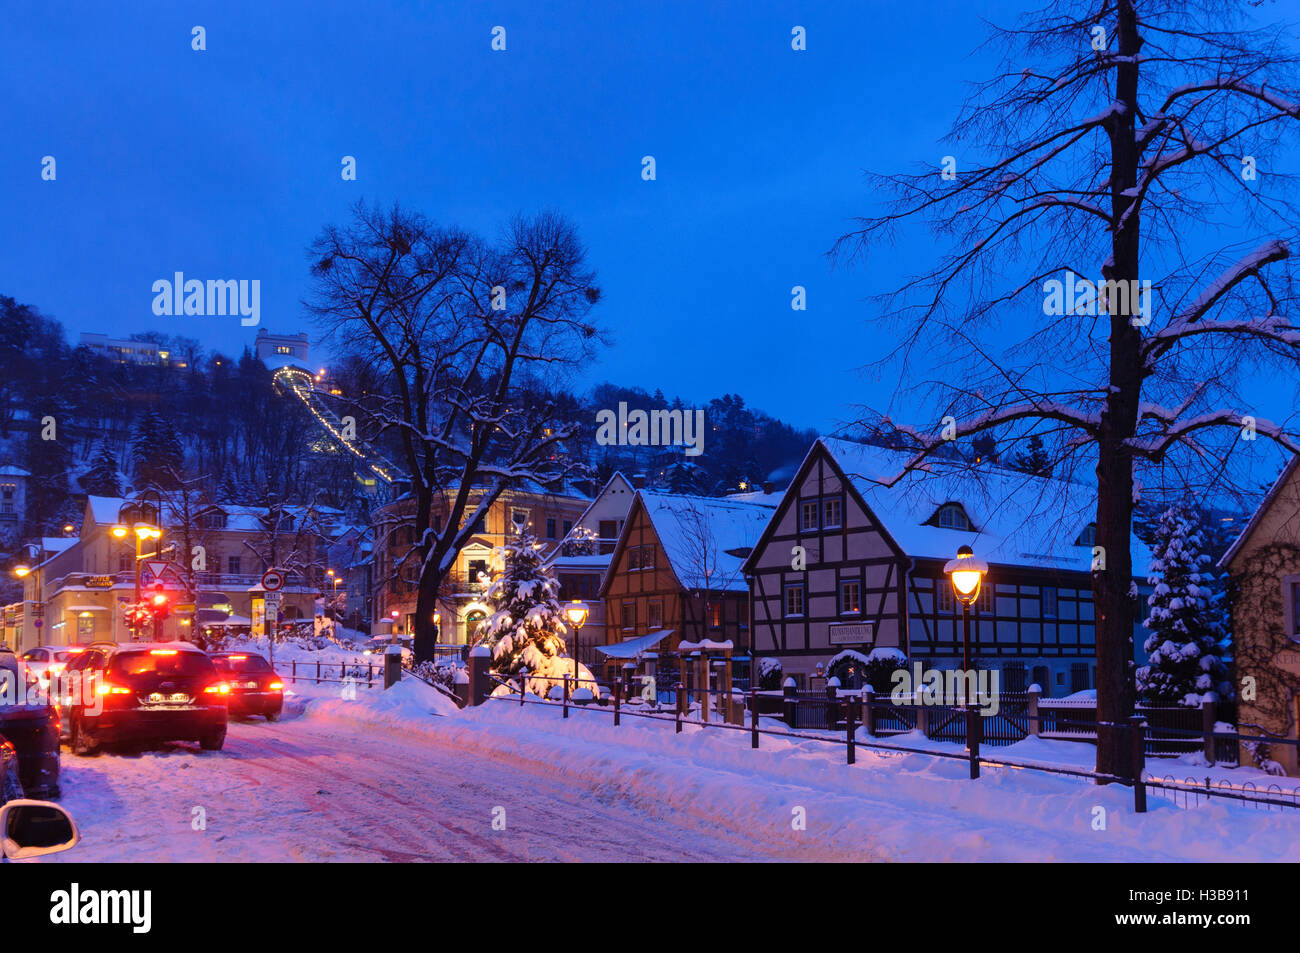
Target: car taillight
(220,688)
(275,686)
(106,688)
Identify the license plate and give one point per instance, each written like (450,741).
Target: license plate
(250,684)
(176,698)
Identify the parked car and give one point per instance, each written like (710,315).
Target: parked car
(33,732)
(255,688)
(147,691)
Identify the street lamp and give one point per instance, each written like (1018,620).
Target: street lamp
(576,613)
(967,574)
(22,571)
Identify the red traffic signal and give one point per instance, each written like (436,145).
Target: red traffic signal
(160,604)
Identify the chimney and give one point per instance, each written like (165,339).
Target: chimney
(769,489)
(638,481)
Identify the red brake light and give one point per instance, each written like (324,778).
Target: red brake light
(107,688)
(276,686)
(220,688)
(237,658)
(163,651)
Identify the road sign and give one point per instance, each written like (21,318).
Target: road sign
(272,580)
(38,622)
(273,599)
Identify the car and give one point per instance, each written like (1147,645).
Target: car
(146,692)
(47,660)
(29,828)
(255,688)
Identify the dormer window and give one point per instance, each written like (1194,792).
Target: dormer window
(214,519)
(952,516)
(1088,537)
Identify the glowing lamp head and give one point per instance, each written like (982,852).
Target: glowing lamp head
(967,574)
(119,531)
(22,571)
(437,617)
(394,613)
(576,613)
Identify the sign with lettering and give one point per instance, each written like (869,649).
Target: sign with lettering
(99,582)
(851,633)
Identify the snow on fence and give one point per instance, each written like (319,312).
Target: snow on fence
(351,672)
(861,713)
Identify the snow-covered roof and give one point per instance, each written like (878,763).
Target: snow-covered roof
(1019,519)
(697,533)
(594,561)
(631,648)
(11,471)
(1263,507)
(105,510)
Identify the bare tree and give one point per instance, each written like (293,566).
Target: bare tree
(702,555)
(186,503)
(461,328)
(1131,140)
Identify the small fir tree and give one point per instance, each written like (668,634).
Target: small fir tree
(526,628)
(1187,632)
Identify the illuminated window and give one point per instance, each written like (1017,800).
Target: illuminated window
(851,596)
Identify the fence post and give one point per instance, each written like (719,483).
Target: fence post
(618,695)
(318,671)
(1137,733)
(973,730)
(1207,726)
(850,728)
(480,681)
(370,674)
(922,716)
(753,717)
(566,696)
(523,685)
(789,702)
(1034,728)
(680,690)
(294,663)
(869,711)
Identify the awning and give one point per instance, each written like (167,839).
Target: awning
(85,609)
(631,648)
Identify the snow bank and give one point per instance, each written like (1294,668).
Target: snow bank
(889,806)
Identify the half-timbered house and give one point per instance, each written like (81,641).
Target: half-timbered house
(852,561)
(675,573)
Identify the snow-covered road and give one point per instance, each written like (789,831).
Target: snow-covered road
(302,790)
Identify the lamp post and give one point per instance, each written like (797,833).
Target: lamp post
(576,613)
(967,574)
(22,571)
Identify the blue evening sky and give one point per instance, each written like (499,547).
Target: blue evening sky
(225,163)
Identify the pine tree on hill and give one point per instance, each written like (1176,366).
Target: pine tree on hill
(1036,461)
(103,478)
(1186,628)
(156,452)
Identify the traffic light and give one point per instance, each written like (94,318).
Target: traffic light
(159,604)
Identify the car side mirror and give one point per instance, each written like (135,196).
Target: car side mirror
(32,828)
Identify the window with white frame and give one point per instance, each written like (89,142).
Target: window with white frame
(952,516)
(832,513)
(808,515)
(794,599)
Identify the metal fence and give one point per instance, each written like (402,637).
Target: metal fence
(881,719)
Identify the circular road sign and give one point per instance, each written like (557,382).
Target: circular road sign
(272,580)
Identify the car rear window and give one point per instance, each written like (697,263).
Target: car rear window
(61,656)
(152,663)
(243,663)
